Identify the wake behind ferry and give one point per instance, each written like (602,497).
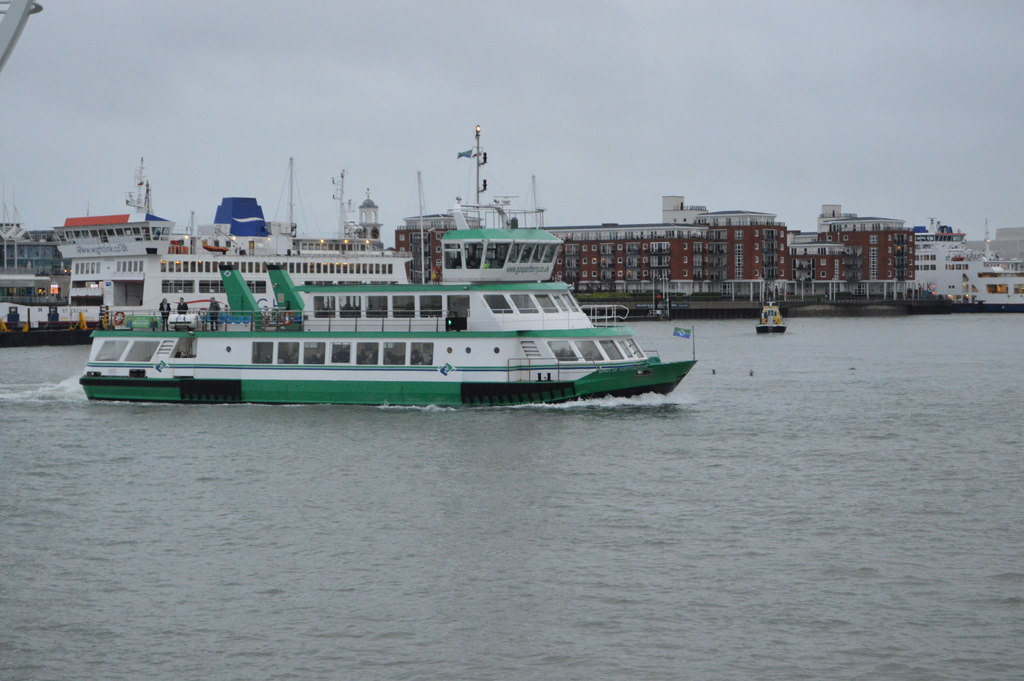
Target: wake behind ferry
(494,333)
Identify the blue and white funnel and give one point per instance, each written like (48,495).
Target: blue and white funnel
(243,215)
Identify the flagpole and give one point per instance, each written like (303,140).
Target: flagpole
(693,342)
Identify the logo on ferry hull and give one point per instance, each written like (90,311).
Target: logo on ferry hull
(446,369)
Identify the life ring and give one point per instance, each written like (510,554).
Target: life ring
(118,318)
(287,318)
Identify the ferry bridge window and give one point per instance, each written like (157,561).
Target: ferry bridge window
(262,353)
(589,351)
(515,252)
(366,353)
(539,253)
(527,253)
(421,353)
(394,353)
(430,306)
(323,306)
(404,306)
(341,353)
(453,256)
(141,351)
(313,353)
(498,303)
(523,303)
(611,349)
(376,306)
(496,254)
(474,253)
(563,351)
(111,350)
(288,352)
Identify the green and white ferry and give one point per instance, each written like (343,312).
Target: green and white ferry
(495,332)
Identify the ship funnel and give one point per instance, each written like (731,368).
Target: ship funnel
(243,215)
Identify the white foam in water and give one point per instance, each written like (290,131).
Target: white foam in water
(675,399)
(67,390)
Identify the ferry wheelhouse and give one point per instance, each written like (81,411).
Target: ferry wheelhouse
(495,332)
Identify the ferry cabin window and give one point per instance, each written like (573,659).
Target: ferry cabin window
(523,303)
(458,305)
(474,253)
(350,306)
(611,349)
(262,353)
(589,351)
(546,303)
(366,353)
(341,353)
(313,352)
(111,350)
(394,353)
(404,306)
(376,306)
(142,351)
(563,351)
(453,256)
(527,253)
(421,354)
(430,306)
(552,250)
(538,253)
(186,347)
(496,254)
(632,349)
(323,306)
(498,303)
(288,352)
(515,252)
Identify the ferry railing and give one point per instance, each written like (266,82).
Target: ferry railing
(606,315)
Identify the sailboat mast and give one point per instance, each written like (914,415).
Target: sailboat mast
(423,245)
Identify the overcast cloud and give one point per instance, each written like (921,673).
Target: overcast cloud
(905,110)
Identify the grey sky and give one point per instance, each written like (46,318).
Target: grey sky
(905,110)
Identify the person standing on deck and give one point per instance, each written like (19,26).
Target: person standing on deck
(214,314)
(165,311)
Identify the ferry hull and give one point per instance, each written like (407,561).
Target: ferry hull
(651,377)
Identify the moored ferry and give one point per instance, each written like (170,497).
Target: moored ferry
(495,332)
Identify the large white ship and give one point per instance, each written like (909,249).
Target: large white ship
(137,260)
(972,281)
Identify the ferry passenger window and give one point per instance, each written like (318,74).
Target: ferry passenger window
(453,256)
(262,353)
(523,303)
(546,303)
(394,352)
(430,306)
(111,350)
(341,353)
(366,353)
(323,306)
(376,306)
(632,348)
(288,352)
(474,252)
(563,351)
(421,353)
(404,306)
(589,351)
(350,306)
(611,349)
(458,305)
(141,351)
(313,353)
(498,303)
